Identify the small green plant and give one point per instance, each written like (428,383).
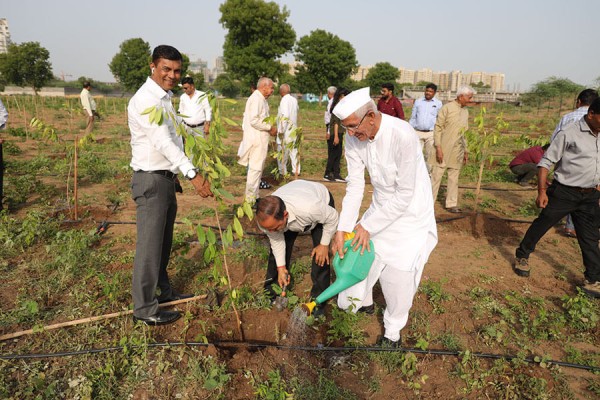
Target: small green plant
(581,312)
(529,209)
(435,295)
(273,387)
(344,326)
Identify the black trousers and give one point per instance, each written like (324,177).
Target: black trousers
(524,172)
(321,276)
(584,209)
(334,156)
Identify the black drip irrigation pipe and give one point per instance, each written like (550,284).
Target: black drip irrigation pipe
(317,349)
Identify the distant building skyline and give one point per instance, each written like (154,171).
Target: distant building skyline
(443,79)
(4,35)
(210,74)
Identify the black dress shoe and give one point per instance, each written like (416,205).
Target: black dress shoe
(160,318)
(173,297)
(367,309)
(388,343)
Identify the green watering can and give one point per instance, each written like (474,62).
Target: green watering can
(350,270)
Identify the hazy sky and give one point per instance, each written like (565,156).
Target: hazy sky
(527,40)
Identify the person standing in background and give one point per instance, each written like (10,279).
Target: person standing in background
(287,121)
(254,147)
(194,105)
(89,105)
(335,141)
(422,119)
(451,151)
(388,103)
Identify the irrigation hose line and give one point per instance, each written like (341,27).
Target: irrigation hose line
(297,348)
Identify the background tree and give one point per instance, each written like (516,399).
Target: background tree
(227,86)
(131,65)
(552,88)
(381,73)
(258,36)
(325,60)
(26,64)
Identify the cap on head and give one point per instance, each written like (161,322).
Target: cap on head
(351,103)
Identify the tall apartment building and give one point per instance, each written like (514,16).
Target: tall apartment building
(4,35)
(361,73)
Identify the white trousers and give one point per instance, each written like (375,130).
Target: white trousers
(291,155)
(399,289)
(426,139)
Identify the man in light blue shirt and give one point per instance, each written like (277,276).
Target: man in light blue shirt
(422,119)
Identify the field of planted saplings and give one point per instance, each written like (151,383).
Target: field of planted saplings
(67,243)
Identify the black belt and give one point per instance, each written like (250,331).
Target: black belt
(193,126)
(164,172)
(579,189)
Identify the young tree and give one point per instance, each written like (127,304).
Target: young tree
(258,36)
(381,73)
(131,65)
(26,64)
(325,60)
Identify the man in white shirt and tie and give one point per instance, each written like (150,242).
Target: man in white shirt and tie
(194,108)
(287,121)
(299,206)
(157,157)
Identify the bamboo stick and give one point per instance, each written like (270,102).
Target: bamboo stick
(92,319)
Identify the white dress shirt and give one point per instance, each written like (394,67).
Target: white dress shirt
(87,101)
(287,117)
(155,147)
(307,204)
(196,111)
(400,218)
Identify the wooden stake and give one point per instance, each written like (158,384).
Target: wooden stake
(92,319)
(75,182)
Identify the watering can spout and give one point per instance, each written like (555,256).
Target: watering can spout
(350,270)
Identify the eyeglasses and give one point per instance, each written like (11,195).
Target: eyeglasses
(354,128)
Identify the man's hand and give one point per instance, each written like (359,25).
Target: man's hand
(273,130)
(321,254)
(206,128)
(283,277)
(336,140)
(361,239)
(465,157)
(439,155)
(202,186)
(337,243)
(542,199)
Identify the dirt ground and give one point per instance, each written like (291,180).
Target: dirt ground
(475,250)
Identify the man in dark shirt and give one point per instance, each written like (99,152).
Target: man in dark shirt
(575,190)
(388,103)
(524,165)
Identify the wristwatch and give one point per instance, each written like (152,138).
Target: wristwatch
(191,174)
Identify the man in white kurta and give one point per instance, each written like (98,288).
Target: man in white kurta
(400,219)
(254,147)
(287,122)
(89,105)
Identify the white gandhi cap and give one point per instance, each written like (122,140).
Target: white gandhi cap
(351,103)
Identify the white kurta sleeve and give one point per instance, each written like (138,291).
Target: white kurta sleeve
(354,188)
(404,147)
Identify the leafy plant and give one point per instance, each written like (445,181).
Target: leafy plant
(344,326)
(582,313)
(273,387)
(435,295)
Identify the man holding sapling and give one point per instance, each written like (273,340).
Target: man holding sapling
(157,157)
(575,190)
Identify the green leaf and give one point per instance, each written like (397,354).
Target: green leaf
(239,231)
(230,121)
(210,235)
(201,235)
(240,212)
(148,110)
(248,209)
